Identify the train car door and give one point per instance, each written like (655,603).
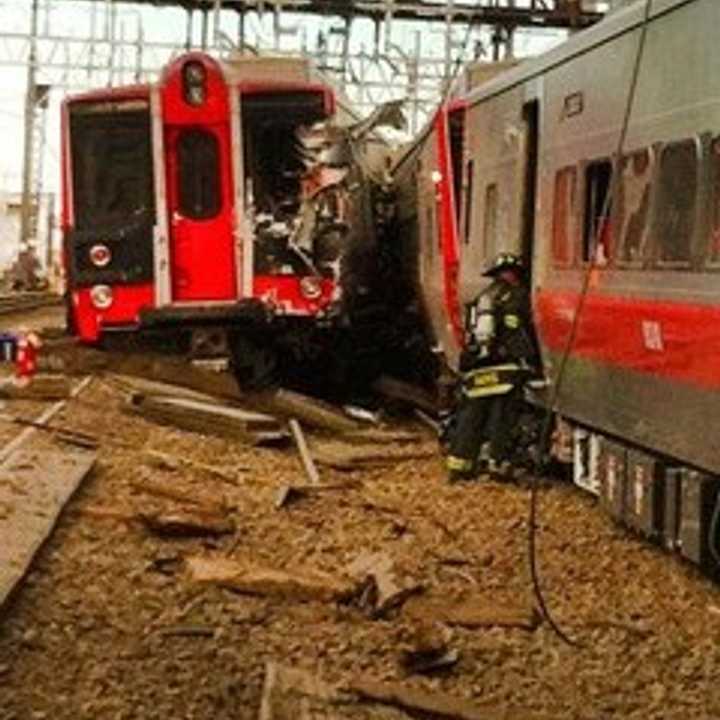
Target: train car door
(200,212)
(531,118)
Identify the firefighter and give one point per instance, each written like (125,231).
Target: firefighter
(500,354)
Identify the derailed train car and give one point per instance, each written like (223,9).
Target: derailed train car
(639,400)
(226,207)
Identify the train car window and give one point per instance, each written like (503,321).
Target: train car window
(564,203)
(456,121)
(633,204)
(490,227)
(597,225)
(469,200)
(112,167)
(674,222)
(198,174)
(714,255)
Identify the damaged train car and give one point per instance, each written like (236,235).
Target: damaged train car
(226,209)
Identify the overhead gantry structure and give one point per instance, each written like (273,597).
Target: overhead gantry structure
(375,50)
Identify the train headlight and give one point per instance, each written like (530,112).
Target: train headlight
(100,255)
(311,287)
(101,296)
(194,80)
(436,177)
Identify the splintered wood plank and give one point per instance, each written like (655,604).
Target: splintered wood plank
(291,693)
(389,590)
(473,612)
(311,411)
(41,387)
(254,579)
(34,488)
(344,456)
(209,418)
(416,702)
(307,461)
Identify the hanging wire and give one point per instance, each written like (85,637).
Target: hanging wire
(557,386)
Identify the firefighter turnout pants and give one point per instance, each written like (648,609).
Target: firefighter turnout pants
(488,410)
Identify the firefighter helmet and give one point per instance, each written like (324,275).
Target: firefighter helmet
(504,261)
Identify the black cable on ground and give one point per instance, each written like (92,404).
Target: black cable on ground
(557,385)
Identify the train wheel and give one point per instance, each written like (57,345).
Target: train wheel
(254,363)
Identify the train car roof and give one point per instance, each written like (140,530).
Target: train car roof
(615,24)
(268,68)
(114,94)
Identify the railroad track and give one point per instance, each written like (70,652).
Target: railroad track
(21,301)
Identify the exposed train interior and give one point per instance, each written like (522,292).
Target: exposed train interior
(290,173)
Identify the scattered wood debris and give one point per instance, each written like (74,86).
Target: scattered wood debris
(307,461)
(162,369)
(429,661)
(473,612)
(254,579)
(296,694)
(214,503)
(207,418)
(349,457)
(174,463)
(78,359)
(287,494)
(382,590)
(362,414)
(48,480)
(382,436)
(144,386)
(43,418)
(187,522)
(201,631)
(428,421)
(312,412)
(428,650)
(43,386)
(59,433)
(437,704)
(166,564)
(103,512)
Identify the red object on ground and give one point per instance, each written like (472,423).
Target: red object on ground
(27,355)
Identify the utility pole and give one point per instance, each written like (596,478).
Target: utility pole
(30,109)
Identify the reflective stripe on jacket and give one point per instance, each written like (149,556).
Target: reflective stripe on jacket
(458,464)
(492,380)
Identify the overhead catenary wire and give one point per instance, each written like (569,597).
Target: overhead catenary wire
(572,335)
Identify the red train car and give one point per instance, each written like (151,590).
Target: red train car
(228,203)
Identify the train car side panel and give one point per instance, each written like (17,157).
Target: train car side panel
(642,361)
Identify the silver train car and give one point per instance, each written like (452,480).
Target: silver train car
(535,170)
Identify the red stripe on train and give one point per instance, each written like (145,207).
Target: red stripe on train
(670,339)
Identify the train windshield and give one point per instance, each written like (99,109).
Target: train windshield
(111,160)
